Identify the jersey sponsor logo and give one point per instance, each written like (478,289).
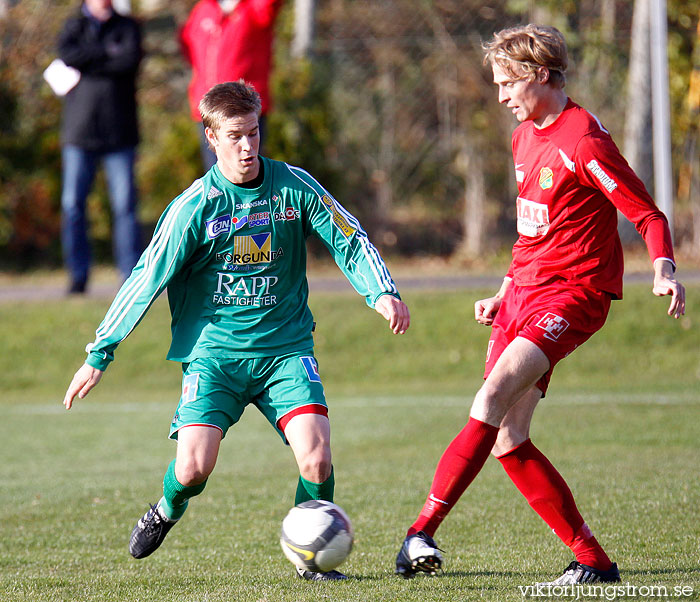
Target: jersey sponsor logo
(189,387)
(254,219)
(213,193)
(533,218)
(218,226)
(553,325)
(311,366)
(239,222)
(288,215)
(338,218)
(259,219)
(608,183)
(250,250)
(252,205)
(546,178)
(252,291)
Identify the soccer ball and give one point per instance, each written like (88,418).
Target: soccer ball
(316,536)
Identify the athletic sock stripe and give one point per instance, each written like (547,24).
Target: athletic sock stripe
(126,301)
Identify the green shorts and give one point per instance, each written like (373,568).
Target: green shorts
(215,391)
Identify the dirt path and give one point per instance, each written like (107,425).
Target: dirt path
(34,290)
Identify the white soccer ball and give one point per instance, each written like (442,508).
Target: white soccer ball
(316,536)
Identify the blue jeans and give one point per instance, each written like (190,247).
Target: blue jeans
(79,168)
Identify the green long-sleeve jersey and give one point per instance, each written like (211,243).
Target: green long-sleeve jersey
(234,262)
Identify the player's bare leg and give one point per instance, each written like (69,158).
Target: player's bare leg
(518,368)
(197,450)
(309,436)
(515,426)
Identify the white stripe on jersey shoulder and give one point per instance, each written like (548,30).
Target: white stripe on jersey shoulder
(125,299)
(570,165)
(600,125)
(159,236)
(376,263)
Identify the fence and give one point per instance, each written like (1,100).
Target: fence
(393,111)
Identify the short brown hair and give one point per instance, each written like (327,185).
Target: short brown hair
(230,99)
(520,51)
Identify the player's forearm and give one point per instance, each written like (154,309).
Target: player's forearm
(657,237)
(664,267)
(505,285)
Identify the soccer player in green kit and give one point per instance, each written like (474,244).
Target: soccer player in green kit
(231,252)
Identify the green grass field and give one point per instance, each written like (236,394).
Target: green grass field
(621,422)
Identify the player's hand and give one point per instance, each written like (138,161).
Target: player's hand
(395,311)
(666,284)
(83,382)
(485,310)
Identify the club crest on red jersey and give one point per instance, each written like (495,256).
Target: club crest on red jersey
(546,178)
(553,325)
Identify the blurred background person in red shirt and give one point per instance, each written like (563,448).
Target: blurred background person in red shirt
(229,40)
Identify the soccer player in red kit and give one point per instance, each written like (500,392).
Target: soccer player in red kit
(567,267)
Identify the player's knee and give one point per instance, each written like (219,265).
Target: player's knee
(487,395)
(488,404)
(316,465)
(192,472)
(509,437)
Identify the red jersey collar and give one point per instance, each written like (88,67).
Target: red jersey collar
(558,122)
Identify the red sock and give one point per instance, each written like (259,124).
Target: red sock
(461,462)
(550,496)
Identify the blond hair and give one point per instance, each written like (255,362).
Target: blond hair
(227,100)
(521,51)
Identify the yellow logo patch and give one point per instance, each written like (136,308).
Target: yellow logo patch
(253,249)
(338,219)
(546,178)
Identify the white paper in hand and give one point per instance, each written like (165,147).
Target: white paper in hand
(61,77)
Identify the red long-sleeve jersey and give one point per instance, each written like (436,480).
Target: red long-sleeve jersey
(571,180)
(223,48)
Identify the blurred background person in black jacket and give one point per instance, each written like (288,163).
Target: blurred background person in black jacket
(100,126)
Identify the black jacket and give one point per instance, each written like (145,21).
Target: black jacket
(99,114)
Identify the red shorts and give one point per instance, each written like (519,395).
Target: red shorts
(555,317)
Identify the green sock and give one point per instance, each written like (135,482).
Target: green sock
(175,495)
(306,490)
